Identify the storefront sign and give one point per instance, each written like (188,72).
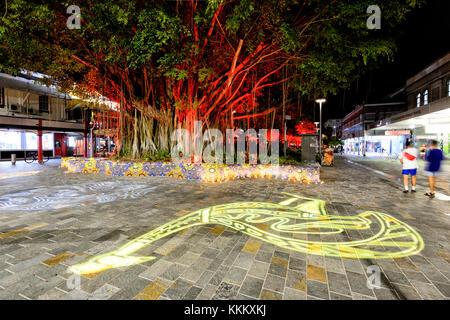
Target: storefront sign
(397,132)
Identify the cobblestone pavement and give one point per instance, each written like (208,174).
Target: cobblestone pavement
(50,220)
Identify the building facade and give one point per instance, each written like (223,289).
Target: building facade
(335,125)
(34,116)
(355,124)
(428,114)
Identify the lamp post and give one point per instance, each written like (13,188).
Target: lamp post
(320,101)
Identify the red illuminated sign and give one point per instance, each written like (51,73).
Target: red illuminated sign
(397,133)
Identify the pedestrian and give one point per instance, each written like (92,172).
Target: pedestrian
(423,150)
(408,159)
(434,157)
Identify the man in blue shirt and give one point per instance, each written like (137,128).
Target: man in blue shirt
(434,157)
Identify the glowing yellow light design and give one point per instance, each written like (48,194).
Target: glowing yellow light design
(389,238)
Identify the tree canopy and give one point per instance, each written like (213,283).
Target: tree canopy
(170,63)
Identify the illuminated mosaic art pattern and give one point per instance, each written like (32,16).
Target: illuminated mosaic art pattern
(72,195)
(285,225)
(204,172)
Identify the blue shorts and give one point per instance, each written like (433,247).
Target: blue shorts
(412,172)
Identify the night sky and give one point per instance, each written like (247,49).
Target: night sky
(423,38)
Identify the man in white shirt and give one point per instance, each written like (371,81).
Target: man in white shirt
(408,159)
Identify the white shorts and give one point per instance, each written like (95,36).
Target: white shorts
(432,173)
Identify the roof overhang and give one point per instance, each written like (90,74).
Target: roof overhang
(434,117)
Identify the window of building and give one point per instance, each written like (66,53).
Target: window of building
(425,97)
(448,88)
(10,140)
(418,100)
(2,97)
(43,103)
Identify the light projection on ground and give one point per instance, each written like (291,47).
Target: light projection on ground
(68,196)
(284,225)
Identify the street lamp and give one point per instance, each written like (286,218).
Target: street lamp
(320,101)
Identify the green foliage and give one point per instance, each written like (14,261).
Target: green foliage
(159,156)
(327,42)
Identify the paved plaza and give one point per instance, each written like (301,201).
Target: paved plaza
(51,220)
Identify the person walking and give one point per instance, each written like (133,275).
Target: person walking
(423,151)
(408,159)
(434,157)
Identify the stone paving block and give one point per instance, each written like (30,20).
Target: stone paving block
(124,278)
(270,295)
(153,291)
(226,291)
(432,273)
(156,269)
(337,296)
(215,264)
(173,272)
(334,264)
(297,264)
(278,267)
(385,294)
(210,253)
(358,284)
(264,256)
(316,273)
(192,294)
(427,291)
(52,294)
(204,279)
(26,264)
(397,277)
(296,280)
(193,274)
(415,275)
(188,258)
(292,294)
(207,293)
(218,276)
(36,289)
(103,293)
(93,284)
(274,283)
(338,283)
(315,260)
(259,269)
(251,287)
(235,275)
(244,260)
(131,289)
(252,246)
(280,254)
(317,289)
(444,288)
(358,296)
(353,265)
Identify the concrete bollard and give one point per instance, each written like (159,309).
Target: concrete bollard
(13,159)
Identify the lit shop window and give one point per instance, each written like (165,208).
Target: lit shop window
(47,141)
(71,142)
(425,97)
(418,100)
(10,140)
(31,141)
